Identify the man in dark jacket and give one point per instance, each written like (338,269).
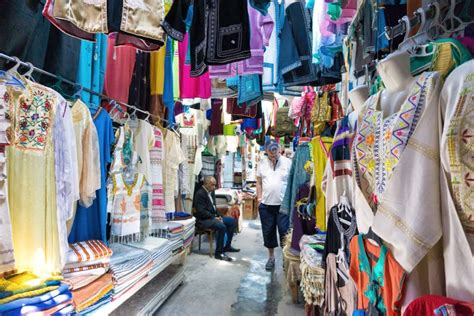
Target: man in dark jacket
(207,217)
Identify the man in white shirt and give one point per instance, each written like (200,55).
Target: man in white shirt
(272,178)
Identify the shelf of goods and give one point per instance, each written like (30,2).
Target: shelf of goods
(149,293)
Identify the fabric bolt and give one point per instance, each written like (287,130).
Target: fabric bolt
(170,168)
(457,194)
(143,141)
(296,177)
(219,31)
(32,146)
(66,173)
(91,73)
(157,158)
(379,283)
(90,223)
(320,146)
(119,70)
(261,27)
(274,179)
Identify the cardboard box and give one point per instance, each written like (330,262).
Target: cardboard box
(250,212)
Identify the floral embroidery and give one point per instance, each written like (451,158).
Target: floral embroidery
(460,139)
(381,141)
(34,115)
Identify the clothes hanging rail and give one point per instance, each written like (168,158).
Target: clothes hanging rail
(430,11)
(75,84)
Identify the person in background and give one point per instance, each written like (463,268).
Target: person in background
(272,178)
(208,218)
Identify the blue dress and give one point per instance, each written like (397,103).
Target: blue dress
(90,223)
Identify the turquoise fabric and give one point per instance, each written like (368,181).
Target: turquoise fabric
(91,72)
(376,276)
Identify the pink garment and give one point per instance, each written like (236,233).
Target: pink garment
(119,70)
(261,28)
(191,87)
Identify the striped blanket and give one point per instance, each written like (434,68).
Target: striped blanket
(86,251)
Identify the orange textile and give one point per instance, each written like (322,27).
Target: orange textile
(90,294)
(393,276)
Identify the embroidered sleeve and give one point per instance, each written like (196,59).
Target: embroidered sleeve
(175,21)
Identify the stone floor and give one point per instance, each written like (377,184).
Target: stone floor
(242,287)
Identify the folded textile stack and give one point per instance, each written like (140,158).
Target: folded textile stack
(128,266)
(188,230)
(86,261)
(173,231)
(312,273)
(90,297)
(160,250)
(27,293)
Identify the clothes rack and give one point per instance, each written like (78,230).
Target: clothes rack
(75,84)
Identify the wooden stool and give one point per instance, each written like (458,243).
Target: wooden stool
(210,236)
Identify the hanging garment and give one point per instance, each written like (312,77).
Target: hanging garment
(90,223)
(191,87)
(7,261)
(66,26)
(412,236)
(66,173)
(340,299)
(379,282)
(33,116)
(129,204)
(320,147)
(276,12)
(157,158)
(457,180)
(88,16)
(168,93)
(434,304)
(157,71)
(88,156)
(261,28)
(170,168)
(303,223)
(93,58)
(143,142)
(219,31)
(139,90)
(297,177)
(217,127)
(119,71)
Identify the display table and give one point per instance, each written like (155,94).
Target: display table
(149,293)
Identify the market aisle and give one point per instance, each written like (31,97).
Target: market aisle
(243,287)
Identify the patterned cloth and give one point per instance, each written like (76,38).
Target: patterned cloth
(89,295)
(157,155)
(380,141)
(86,251)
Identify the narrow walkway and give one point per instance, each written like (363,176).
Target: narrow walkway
(241,287)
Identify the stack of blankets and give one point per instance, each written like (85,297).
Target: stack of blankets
(173,231)
(188,230)
(86,272)
(26,293)
(312,272)
(128,265)
(160,250)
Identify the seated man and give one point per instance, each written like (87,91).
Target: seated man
(207,217)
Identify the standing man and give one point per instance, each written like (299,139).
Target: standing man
(272,178)
(207,217)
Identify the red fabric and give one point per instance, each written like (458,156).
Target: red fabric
(119,70)
(427,304)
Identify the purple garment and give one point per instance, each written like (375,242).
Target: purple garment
(261,28)
(301,226)
(216,128)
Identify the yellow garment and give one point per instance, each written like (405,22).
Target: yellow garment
(320,147)
(31,174)
(157,71)
(176,92)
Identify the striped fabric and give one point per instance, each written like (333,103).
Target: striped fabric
(89,250)
(86,268)
(340,153)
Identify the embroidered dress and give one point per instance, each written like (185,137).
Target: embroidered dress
(170,168)
(457,180)
(380,141)
(33,112)
(379,283)
(7,258)
(157,157)
(129,206)
(143,141)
